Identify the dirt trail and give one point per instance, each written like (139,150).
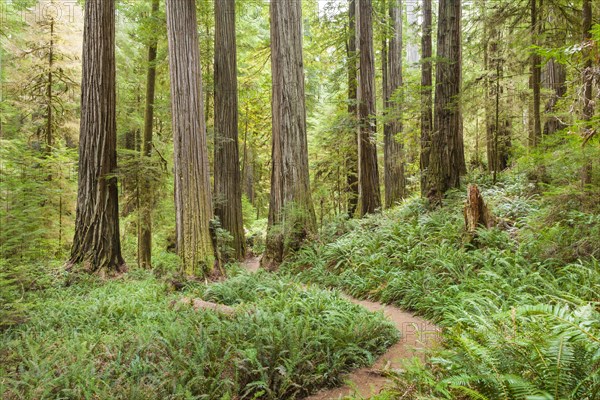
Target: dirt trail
(416,332)
(251,264)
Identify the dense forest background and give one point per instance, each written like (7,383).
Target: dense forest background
(41,74)
(407,106)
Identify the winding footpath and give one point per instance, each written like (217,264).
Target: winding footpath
(417,334)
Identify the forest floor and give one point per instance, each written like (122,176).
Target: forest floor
(416,335)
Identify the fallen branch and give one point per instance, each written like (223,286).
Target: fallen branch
(199,304)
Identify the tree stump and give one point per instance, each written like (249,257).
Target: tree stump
(476,212)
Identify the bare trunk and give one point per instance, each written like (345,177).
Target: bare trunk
(228,185)
(248,164)
(426,94)
(146,191)
(393,147)
(96,243)
(368,174)
(446,162)
(498,125)
(352,158)
(49,94)
(192,182)
(291,213)
(554,77)
(535,135)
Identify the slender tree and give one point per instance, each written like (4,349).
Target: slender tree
(498,140)
(446,161)
(393,147)
(291,213)
(228,185)
(553,78)
(535,135)
(96,243)
(426,93)
(588,104)
(192,181)
(368,175)
(352,158)
(146,193)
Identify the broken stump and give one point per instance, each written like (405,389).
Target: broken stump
(476,211)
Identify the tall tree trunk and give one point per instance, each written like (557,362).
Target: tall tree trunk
(554,77)
(228,185)
(588,104)
(291,213)
(248,163)
(446,162)
(426,94)
(497,124)
(352,158)
(535,135)
(49,93)
(96,243)
(146,191)
(368,174)
(393,148)
(192,181)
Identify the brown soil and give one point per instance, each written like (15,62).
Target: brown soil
(416,334)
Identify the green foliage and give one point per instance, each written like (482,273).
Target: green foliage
(125,340)
(518,308)
(37,193)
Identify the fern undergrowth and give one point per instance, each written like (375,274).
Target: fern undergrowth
(519,306)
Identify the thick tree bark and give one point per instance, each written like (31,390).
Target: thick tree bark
(392,147)
(446,162)
(368,174)
(96,243)
(146,192)
(352,158)
(228,185)
(535,135)
(554,77)
(291,213)
(192,182)
(426,94)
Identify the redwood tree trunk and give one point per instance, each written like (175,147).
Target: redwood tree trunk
(426,94)
(146,193)
(352,158)
(498,126)
(228,185)
(554,77)
(192,182)
(291,212)
(535,135)
(368,174)
(446,162)
(393,148)
(96,243)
